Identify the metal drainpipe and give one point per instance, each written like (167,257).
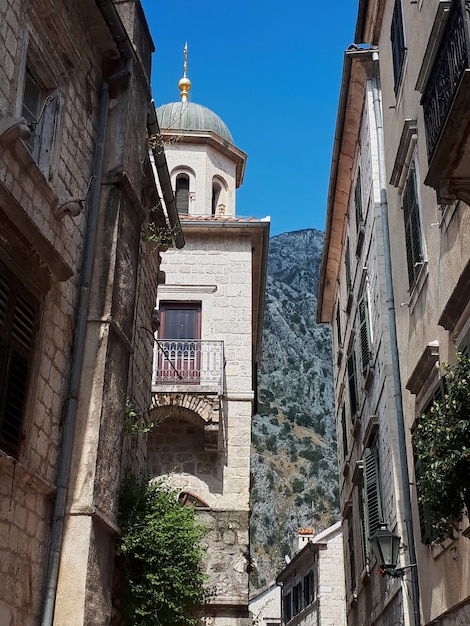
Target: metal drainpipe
(70,410)
(394,343)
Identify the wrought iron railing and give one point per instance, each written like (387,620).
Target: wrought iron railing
(452,59)
(188,361)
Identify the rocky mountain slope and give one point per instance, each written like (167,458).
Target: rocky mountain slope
(294,466)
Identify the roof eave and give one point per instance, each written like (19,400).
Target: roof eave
(344,146)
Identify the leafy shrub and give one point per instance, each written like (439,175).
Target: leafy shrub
(159,556)
(442,445)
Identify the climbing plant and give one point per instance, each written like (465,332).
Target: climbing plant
(441,442)
(159,556)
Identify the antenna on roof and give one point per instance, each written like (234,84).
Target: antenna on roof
(184,83)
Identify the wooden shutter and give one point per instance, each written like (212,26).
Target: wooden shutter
(371,492)
(352,384)
(364,331)
(352,559)
(347,261)
(358,200)
(18,319)
(344,432)
(414,247)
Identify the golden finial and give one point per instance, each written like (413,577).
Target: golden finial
(185,84)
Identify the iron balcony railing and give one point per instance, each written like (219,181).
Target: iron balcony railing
(451,61)
(188,362)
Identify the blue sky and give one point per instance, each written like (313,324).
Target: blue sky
(271,71)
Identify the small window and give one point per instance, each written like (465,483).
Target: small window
(216,189)
(397,38)
(358,200)
(352,382)
(297,599)
(347,261)
(309,588)
(186,498)
(344,432)
(182,194)
(371,492)
(352,560)
(287,607)
(365,331)
(18,325)
(413,239)
(40,109)
(339,334)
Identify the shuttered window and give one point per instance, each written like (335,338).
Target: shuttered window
(18,321)
(41,109)
(358,200)
(397,37)
(344,432)
(182,194)
(365,331)
(352,381)
(352,559)
(309,588)
(338,327)
(414,246)
(371,493)
(347,261)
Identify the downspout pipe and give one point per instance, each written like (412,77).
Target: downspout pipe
(163,174)
(70,409)
(394,341)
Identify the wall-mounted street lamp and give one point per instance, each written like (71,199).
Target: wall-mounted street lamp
(385,546)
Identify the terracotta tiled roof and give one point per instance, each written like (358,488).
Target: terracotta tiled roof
(306,531)
(217,218)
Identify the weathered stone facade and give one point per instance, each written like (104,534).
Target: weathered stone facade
(207,350)
(418,73)
(78,284)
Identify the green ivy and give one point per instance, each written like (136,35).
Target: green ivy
(159,556)
(442,445)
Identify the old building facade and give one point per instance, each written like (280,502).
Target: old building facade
(208,347)
(354,298)
(410,93)
(424,68)
(312,592)
(77,284)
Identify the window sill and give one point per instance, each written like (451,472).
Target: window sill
(30,168)
(24,477)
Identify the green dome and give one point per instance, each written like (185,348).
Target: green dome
(191,116)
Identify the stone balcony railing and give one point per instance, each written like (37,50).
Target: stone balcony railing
(189,363)
(445,107)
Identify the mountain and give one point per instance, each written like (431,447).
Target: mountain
(294,464)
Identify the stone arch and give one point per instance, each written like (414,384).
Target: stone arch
(183,444)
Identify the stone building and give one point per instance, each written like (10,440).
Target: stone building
(354,298)
(208,347)
(312,584)
(398,227)
(77,285)
(424,64)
